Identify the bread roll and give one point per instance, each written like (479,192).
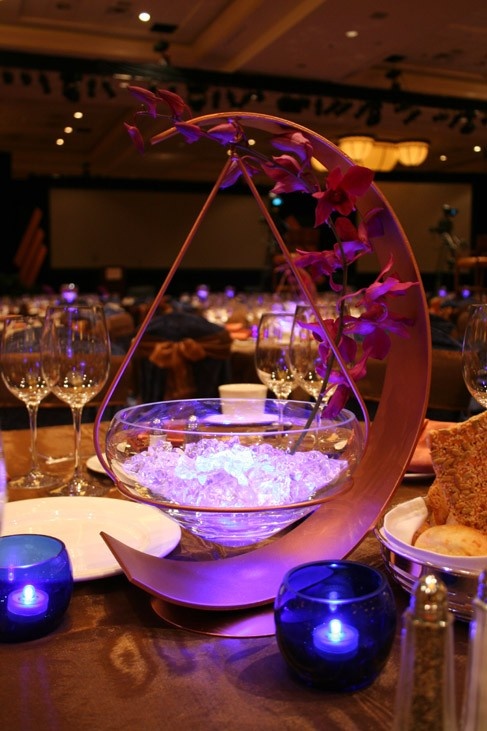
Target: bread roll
(453,540)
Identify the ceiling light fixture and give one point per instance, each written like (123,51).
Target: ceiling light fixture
(91,88)
(292,104)
(380,155)
(412,152)
(357,147)
(374,116)
(70,86)
(413,114)
(108,88)
(343,108)
(197,97)
(468,125)
(361,110)
(383,156)
(144,17)
(45,84)
(458,117)
(394,76)
(216,99)
(333,106)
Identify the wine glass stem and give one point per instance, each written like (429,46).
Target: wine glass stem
(77,412)
(280,411)
(32,410)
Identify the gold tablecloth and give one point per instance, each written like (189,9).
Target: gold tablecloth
(114,665)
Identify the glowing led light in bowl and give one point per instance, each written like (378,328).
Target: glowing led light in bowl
(336,638)
(27,602)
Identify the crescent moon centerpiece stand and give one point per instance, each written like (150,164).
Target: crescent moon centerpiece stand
(233,596)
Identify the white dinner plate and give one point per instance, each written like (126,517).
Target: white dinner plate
(77,521)
(94,464)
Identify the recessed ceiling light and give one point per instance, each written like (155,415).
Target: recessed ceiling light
(144,17)
(68,130)
(477,148)
(78,115)
(351,33)
(443,158)
(59,141)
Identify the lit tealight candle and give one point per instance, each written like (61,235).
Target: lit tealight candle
(27,602)
(336,639)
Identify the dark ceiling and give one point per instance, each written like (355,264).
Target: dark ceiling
(392,70)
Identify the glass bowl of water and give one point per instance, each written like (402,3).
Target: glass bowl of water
(234,475)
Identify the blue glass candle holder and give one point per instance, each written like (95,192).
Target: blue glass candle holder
(335,623)
(36,583)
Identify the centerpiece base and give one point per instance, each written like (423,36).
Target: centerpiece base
(255,622)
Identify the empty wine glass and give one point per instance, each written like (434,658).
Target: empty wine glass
(75,363)
(304,356)
(272,355)
(474,353)
(22,374)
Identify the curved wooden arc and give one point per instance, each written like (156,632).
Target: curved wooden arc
(333,530)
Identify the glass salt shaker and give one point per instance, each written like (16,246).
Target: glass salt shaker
(425,699)
(474,712)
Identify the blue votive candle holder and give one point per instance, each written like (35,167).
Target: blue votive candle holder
(335,623)
(36,583)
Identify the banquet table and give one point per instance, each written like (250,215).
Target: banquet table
(114,664)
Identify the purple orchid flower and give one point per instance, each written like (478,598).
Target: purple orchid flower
(341,192)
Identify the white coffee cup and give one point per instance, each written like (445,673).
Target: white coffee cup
(253,393)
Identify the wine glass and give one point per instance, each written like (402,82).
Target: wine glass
(22,374)
(76,363)
(304,356)
(474,353)
(272,355)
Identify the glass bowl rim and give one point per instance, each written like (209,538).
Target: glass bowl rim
(327,423)
(381,585)
(61,549)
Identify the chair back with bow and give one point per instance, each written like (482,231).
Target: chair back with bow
(182,356)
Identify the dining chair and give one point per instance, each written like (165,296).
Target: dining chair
(448,393)
(181,355)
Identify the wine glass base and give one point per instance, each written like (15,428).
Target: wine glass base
(35,480)
(80,487)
